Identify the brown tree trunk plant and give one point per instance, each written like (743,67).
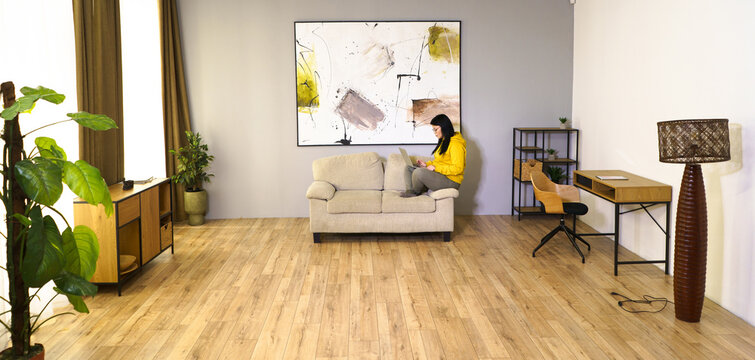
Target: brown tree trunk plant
(18,291)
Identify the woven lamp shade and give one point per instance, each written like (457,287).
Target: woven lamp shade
(693,141)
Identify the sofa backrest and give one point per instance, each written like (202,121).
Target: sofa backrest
(362,171)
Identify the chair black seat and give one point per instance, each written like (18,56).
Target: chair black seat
(575,208)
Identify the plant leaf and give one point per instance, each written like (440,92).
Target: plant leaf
(44,93)
(22,104)
(78,303)
(10,112)
(93,121)
(40,179)
(85,181)
(81,250)
(49,149)
(75,300)
(22,219)
(72,284)
(31,95)
(43,259)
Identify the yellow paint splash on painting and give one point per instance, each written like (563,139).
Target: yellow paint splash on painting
(443,44)
(307,96)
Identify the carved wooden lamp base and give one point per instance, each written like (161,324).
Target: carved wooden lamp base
(690,246)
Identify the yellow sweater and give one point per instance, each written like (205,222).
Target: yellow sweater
(453,161)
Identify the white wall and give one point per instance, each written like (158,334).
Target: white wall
(643,61)
(516,71)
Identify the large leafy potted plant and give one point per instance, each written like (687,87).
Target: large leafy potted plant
(193,160)
(38,252)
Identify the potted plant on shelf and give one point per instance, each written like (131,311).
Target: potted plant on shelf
(193,161)
(556,174)
(38,252)
(551,154)
(563,121)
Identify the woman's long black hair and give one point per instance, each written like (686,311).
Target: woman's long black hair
(447,129)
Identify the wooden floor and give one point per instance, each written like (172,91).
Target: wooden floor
(259,288)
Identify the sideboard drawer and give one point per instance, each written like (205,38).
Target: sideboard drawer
(128,210)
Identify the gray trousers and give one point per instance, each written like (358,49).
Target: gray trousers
(423,179)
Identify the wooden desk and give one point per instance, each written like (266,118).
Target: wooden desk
(636,190)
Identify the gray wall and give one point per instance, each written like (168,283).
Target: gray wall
(239,57)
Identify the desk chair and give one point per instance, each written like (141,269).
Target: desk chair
(562,200)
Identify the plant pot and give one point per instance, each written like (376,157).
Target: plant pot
(563,126)
(551,157)
(36,352)
(195,205)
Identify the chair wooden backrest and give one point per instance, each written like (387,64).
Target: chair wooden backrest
(552,195)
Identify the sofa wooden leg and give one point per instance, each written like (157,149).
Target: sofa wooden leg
(447,236)
(316,237)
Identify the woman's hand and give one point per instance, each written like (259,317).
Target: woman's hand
(421,163)
(431,168)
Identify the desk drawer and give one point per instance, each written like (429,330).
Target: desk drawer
(583,180)
(128,210)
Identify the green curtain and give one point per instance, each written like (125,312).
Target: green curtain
(98,82)
(175,101)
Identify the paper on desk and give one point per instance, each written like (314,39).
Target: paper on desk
(611,177)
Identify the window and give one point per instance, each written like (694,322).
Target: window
(143,136)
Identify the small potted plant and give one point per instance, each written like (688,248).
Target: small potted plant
(551,154)
(556,174)
(563,121)
(38,251)
(193,161)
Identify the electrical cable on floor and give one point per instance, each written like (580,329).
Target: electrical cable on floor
(646,300)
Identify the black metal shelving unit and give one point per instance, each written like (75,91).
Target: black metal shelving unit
(520,203)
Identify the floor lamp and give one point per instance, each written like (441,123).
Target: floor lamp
(692,142)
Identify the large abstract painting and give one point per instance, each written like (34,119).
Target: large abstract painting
(376,82)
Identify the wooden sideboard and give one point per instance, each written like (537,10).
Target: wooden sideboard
(140,229)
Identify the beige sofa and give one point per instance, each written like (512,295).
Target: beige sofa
(358,193)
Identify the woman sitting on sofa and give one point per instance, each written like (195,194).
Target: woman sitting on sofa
(446,170)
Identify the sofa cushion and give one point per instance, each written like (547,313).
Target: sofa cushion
(355,201)
(362,171)
(394,203)
(396,175)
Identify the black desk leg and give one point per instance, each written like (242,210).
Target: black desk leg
(616,240)
(668,231)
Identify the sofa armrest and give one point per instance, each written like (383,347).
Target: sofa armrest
(444,193)
(321,190)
